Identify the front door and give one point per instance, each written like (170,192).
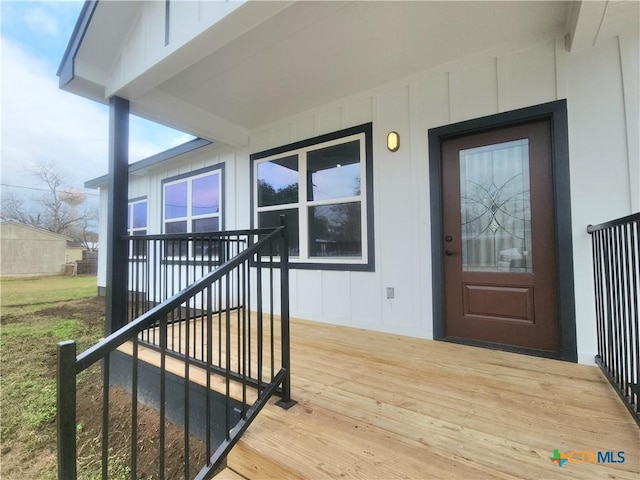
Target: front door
(499,238)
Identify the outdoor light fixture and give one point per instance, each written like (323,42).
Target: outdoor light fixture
(393,141)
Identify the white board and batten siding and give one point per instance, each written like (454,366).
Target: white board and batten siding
(603,135)
(602,138)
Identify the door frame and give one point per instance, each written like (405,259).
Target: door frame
(556,113)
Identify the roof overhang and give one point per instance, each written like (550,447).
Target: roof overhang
(262,61)
(143,166)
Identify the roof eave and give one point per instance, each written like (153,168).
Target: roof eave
(66,70)
(153,160)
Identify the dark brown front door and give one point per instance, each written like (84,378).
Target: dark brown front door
(499,238)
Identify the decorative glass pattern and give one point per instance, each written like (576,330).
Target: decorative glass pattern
(496,208)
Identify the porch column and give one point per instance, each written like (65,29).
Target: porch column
(117,262)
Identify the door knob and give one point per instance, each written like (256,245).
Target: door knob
(448,238)
(448,253)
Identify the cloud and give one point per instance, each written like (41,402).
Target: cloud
(40,122)
(39,21)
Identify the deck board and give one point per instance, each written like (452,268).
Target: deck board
(374,405)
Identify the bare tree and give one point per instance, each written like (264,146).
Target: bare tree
(50,210)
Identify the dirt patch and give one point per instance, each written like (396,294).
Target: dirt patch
(89,417)
(90,311)
(31,452)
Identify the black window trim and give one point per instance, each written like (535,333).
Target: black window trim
(367,130)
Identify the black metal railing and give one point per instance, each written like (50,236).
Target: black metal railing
(616,268)
(238,360)
(162,265)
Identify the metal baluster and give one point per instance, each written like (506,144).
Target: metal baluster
(134,409)
(285,401)
(105,416)
(163,332)
(208,368)
(66,409)
(260,318)
(186,397)
(271,309)
(228,359)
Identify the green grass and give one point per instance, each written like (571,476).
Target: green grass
(36,314)
(32,294)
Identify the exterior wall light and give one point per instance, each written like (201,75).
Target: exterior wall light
(393,141)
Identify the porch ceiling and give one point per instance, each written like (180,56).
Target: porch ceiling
(296,60)
(265,61)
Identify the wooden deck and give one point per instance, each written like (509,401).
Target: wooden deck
(373,405)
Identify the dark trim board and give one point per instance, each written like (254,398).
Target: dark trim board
(66,70)
(556,112)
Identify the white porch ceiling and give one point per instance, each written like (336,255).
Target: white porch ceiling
(297,60)
(269,60)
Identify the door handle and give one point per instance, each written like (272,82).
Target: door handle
(448,253)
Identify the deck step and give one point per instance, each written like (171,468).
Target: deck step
(228,474)
(275,447)
(197,374)
(255,463)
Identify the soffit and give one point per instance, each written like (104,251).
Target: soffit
(297,61)
(102,42)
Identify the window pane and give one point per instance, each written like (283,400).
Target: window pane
(176,248)
(175,200)
(496,208)
(278,181)
(206,225)
(139,248)
(334,172)
(140,215)
(272,219)
(175,227)
(335,230)
(129,217)
(205,195)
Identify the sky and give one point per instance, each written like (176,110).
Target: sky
(41,123)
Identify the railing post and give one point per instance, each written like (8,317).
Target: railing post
(285,401)
(66,409)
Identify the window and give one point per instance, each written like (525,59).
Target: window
(137,217)
(137,225)
(192,203)
(323,187)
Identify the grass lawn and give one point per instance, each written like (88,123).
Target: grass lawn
(35,314)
